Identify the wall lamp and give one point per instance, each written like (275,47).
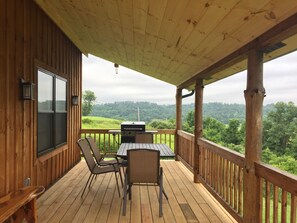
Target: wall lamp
(74,100)
(116,66)
(28,90)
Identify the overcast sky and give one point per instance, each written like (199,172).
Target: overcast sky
(280,82)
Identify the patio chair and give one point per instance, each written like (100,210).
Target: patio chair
(93,167)
(143,169)
(100,158)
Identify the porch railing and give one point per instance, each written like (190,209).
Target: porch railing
(110,142)
(221,172)
(279,194)
(186,148)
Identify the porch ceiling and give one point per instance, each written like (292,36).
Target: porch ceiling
(176,41)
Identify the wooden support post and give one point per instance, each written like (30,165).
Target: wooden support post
(254,95)
(198,125)
(178,99)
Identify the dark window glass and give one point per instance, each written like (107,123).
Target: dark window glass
(45,132)
(61,128)
(52,112)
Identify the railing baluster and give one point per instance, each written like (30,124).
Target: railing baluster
(261,200)
(293,209)
(240,190)
(275,204)
(235,187)
(267,201)
(225,168)
(231,176)
(284,206)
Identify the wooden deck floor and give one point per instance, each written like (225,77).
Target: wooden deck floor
(188,202)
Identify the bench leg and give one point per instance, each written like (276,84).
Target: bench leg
(28,212)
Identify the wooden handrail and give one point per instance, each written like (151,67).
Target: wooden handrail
(186,135)
(277,177)
(224,152)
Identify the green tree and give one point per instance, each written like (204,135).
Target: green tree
(267,155)
(212,130)
(188,124)
(280,129)
(232,132)
(163,124)
(285,162)
(88,102)
(190,118)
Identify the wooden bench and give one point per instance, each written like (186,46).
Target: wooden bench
(20,205)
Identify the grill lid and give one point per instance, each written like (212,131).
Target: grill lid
(133,126)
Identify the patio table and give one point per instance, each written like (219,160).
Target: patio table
(165,151)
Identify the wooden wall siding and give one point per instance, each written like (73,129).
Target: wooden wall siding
(29,38)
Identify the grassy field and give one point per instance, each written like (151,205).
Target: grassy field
(94,122)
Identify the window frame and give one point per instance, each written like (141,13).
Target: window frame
(53,114)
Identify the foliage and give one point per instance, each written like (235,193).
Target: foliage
(280,129)
(231,133)
(190,118)
(162,124)
(285,162)
(88,102)
(128,111)
(212,130)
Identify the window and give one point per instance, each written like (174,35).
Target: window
(52,112)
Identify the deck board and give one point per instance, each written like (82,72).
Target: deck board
(188,202)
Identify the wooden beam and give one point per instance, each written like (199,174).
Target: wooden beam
(198,125)
(178,119)
(254,95)
(276,34)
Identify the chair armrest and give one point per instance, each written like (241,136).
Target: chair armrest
(112,156)
(108,155)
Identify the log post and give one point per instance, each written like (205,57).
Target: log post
(198,125)
(178,127)
(254,95)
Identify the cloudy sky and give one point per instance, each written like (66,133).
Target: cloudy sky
(280,82)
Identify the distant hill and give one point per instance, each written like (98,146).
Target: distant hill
(148,111)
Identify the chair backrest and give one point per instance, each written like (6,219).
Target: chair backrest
(94,149)
(85,149)
(143,166)
(144,138)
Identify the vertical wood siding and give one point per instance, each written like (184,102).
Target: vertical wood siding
(28,38)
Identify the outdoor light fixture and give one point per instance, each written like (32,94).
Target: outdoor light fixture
(116,66)
(74,100)
(28,90)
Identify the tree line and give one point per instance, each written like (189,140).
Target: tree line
(223,124)
(128,111)
(279,134)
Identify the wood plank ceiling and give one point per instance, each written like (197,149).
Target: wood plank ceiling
(172,40)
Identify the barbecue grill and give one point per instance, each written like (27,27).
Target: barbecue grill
(129,130)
